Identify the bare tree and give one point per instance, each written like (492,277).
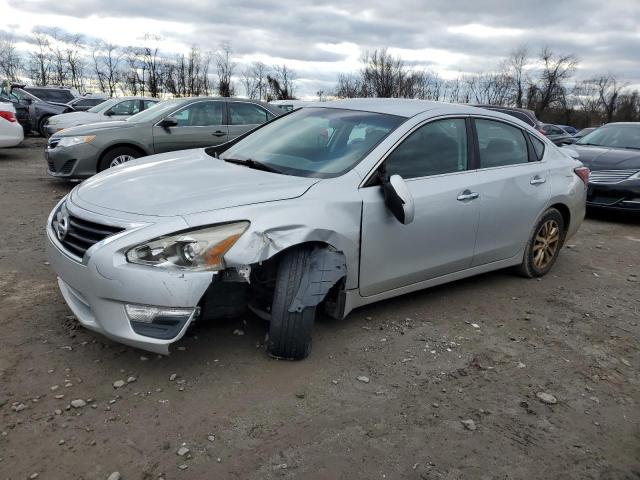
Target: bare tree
(225,68)
(349,86)
(549,89)
(40,60)
(107,59)
(10,59)
(608,93)
(152,65)
(515,70)
(75,57)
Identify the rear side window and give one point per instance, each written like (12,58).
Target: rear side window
(246,114)
(538,147)
(500,144)
(148,103)
(435,148)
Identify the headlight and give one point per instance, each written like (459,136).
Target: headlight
(635,176)
(70,141)
(199,250)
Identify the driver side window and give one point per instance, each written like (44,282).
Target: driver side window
(128,107)
(200,114)
(433,149)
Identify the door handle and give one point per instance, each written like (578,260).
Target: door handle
(468,195)
(218,133)
(537,180)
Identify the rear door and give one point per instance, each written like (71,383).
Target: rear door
(434,160)
(200,124)
(245,116)
(513,189)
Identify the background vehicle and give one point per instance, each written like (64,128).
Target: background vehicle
(82,104)
(288,105)
(556,134)
(79,152)
(331,207)
(527,116)
(569,129)
(110,110)
(22,111)
(11,132)
(612,153)
(53,102)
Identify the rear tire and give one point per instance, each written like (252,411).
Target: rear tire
(290,332)
(117,156)
(544,245)
(43,121)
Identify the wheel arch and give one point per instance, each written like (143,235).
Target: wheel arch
(565,212)
(112,147)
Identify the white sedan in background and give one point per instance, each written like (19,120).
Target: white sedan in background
(11,133)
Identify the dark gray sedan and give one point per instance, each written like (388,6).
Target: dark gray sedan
(80,152)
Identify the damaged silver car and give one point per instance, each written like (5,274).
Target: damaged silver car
(324,209)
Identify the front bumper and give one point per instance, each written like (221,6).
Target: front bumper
(51,129)
(98,286)
(619,196)
(78,161)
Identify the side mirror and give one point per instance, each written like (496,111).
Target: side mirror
(108,113)
(168,122)
(398,199)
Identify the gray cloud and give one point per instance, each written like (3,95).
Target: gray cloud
(604,35)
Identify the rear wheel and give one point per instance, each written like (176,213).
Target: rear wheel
(117,156)
(290,332)
(544,245)
(43,121)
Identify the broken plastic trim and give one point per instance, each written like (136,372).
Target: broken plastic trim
(324,269)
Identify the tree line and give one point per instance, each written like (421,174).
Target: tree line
(59,58)
(544,83)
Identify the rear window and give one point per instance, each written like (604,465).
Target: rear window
(51,94)
(538,147)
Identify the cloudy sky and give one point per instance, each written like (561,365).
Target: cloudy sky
(319,40)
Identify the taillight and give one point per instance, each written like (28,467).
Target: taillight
(583,173)
(8,116)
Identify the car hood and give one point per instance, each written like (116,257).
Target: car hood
(91,128)
(186,182)
(76,118)
(605,158)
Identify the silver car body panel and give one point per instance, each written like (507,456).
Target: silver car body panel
(181,190)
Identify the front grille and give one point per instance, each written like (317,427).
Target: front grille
(68,166)
(610,176)
(82,234)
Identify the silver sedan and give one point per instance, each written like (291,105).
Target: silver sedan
(329,207)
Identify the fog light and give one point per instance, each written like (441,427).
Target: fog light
(149,314)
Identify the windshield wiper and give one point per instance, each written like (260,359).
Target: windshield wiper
(251,163)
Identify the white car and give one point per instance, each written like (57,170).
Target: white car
(113,109)
(11,132)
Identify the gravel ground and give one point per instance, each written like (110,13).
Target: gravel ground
(491,377)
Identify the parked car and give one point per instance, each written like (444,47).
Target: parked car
(612,153)
(329,207)
(22,111)
(288,105)
(556,134)
(11,132)
(51,101)
(82,104)
(110,110)
(569,129)
(527,116)
(584,132)
(79,152)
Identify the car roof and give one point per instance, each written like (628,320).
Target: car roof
(394,106)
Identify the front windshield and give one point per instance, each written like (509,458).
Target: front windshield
(615,136)
(153,111)
(102,107)
(315,142)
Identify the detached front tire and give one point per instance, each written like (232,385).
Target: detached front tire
(544,245)
(290,332)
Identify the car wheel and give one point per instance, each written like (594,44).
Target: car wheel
(544,245)
(43,121)
(117,156)
(290,332)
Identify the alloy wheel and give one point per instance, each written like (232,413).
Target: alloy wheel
(120,159)
(546,244)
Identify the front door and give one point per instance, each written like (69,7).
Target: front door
(433,161)
(200,124)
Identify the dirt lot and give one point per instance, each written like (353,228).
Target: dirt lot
(479,349)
